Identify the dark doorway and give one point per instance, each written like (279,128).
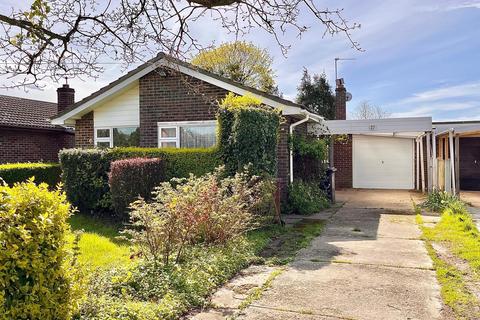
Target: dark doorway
(470,163)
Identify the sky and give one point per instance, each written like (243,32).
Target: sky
(420,58)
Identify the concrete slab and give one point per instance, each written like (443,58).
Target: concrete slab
(407,253)
(397,200)
(262,313)
(354,292)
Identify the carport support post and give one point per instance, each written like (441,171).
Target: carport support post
(435,160)
(452,160)
(418,163)
(457,162)
(422,164)
(429,163)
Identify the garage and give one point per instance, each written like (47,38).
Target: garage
(382,162)
(379,153)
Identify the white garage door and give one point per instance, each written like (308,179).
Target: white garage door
(382,162)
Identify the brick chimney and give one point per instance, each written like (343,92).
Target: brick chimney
(340,101)
(65,97)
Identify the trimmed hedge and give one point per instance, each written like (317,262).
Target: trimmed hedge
(20,172)
(131,178)
(85,171)
(37,279)
(248,135)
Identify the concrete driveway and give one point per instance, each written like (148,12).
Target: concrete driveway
(369,263)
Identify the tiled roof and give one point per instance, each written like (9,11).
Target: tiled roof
(173,60)
(26,113)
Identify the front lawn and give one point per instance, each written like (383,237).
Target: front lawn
(121,289)
(98,244)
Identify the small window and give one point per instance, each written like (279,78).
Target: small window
(103,144)
(166,144)
(168,133)
(194,134)
(103,133)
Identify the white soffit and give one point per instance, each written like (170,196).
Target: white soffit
(393,126)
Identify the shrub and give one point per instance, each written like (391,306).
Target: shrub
(438,201)
(85,172)
(310,155)
(178,163)
(206,209)
(248,134)
(131,178)
(85,178)
(305,198)
(20,172)
(36,282)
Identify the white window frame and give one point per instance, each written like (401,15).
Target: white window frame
(103,139)
(110,138)
(177,125)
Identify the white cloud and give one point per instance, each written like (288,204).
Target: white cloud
(428,110)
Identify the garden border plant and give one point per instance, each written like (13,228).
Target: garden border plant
(42,171)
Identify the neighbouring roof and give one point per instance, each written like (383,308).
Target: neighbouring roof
(26,113)
(184,67)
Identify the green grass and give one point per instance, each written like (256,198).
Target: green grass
(460,232)
(98,244)
(453,287)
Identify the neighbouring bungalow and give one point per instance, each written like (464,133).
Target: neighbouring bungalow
(26,134)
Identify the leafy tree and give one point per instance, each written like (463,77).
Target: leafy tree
(365,110)
(242,62)
(316,95)
(49,39)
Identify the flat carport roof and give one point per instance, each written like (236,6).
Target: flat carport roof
(398,127)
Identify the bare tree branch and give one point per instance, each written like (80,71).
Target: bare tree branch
(55,38)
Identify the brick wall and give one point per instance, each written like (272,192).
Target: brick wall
(174,97)
(342,159)
(28,145)
(342,150)
(84,131)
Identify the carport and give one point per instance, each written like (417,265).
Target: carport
(457,156)
(385,153)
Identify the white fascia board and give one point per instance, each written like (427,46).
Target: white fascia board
(90,105)
(391,125)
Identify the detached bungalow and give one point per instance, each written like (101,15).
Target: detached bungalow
(166,102)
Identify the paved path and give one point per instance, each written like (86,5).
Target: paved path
(368,264)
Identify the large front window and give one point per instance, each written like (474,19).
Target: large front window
(117,137)
(188,134)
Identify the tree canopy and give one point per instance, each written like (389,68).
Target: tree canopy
(316,95)
(242,62)
(51,39)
